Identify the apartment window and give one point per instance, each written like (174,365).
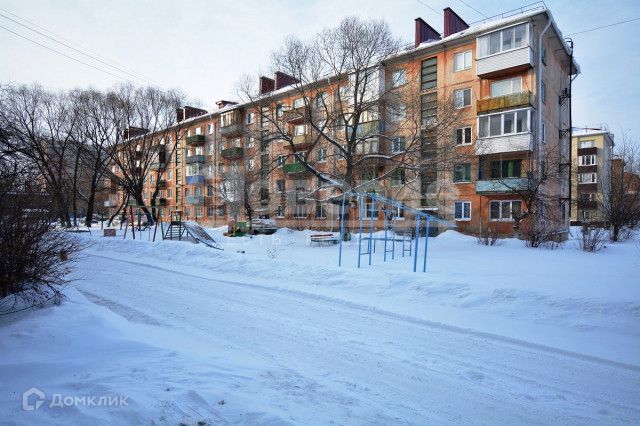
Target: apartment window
(210,170)
(463,136)
(588,196)
(398,144)
(370,210)
(321,211)
(505,123)
(280,185)
(169,175)
(398,178)
(462,61)
(397,212)
(250,164)
(210,148)
(250,118)
(506,87)
(586,144)
(280,160)
(462,98)
(280,211)
(429,74)
(368,175)
(587,160)
(198,130)
(506,169)
(221,211)
(322,155)
(321,100)
(544,53)
(503,40)
(299,130)
(504,210)
(188,132)
(279,110)
(298,103)
(398,112)
(543,92)
(169,193)
(228,118)
(300,211)
(462,210)
(211,211)
(398,78)
(210,129)
(462,172)
(587,177)
(429,109)
(210,190)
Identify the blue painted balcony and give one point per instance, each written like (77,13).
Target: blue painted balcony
(195,179)
(501,186)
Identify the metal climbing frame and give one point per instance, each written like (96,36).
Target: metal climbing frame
(387,206)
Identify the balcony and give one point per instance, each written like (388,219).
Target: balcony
(302,141)
(193,159)
(162,202)
(162,184)
(522,99)
(501,144)
(588,169)
(231,130)
(109,203)
(195,199)
(587,204)
(195,179)
(370,129)
(588,151)
(158,165)
(195,140)
(232,153)
(293,168)
(510,61)
(295,115)
(501,186)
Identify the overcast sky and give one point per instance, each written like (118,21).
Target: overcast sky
(203,47)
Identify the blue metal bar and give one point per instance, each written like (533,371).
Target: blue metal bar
(360,226)
(341,229)
(385,237)
(426,243)
(393,246)
(415,254)
(373,203)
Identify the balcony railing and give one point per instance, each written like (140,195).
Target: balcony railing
(293,168)
(500,186)
(158,166)
(231,130)
(522,99)
(195,140)
(193,159)
(295,115)
(370,128)
(509,61)
(195,199)
(301,141)
(507,143)
(109,203)
(195,179)
(232,153)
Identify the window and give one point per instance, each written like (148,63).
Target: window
(210,170)
(398,78)
(398,112)
(463,136)
(462,98)
(429,74)
(506,169)
(586,144)
(169,175)
(169,193)
(221,211)
(587,177)
(321,100)
(299,130)
(368,175)
(429,109)
(370,210)
(462,210)
(505,123)
(280,211)
(250,118)
(543,92)
(210,129)
(300,211)
(298,103)
(210,148)
(588,196)
(280,185)
(198,130)
(462,172)
(462,61)
(587,160)
(210,190)
(211,211)
(321,211)
(504,210)
(397,178)
(281,159)
(506,87)
(397,212)
(544,53)
(250,164)
(503,40)
(398,144)
(279,110)
(322,155)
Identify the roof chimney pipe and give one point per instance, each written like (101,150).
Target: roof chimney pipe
(266,85)
(425,32)
(453,23)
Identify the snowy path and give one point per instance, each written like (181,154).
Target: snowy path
(330,359)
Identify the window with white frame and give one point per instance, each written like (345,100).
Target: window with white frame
(462,61)
(463,135)
(250,118)
(300,211)
(370,210)
(398,112)
(280,211)
(462,172)
(586,144)
(504,123)
(505,87)
(322,155)
(398,144)
(298,103)
(397,212)
(299,130)
(280,160)
(398,178)
(462,98)
(169,174)
(504,210)
(462,210)
(210,170)
(503,40)
(280,185)
(587,177)
(398,78)
(250,164)
(198,130)
(321,100)
(321,211)
(587,160)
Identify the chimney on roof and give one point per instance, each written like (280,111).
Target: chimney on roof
(222,103)
(266,85)
(132,132)
(188,112)
(283,80)
(425,32)
(453,23)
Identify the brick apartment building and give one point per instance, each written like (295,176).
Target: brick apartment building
(511,76)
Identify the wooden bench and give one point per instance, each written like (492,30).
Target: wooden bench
(324,239)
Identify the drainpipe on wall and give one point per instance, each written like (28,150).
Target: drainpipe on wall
(539,98)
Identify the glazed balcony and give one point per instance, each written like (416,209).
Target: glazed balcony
(195,159)
(370,129)
(232,153)
(194,199)
(514,100)
(157,165)
(195,180)
(232,130)
(502,186)
(195,140)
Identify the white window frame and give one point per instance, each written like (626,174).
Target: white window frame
(481,45)
(463,218)
(322,155)
(587,160)
(511,91)
(210,129)
(456,98)
(401,141)
(591,143)
(588,178)
(466,61)
(250,117)
(399,77)
(464,136)
(500,212)
(300,211)
(515,123)
(298,103)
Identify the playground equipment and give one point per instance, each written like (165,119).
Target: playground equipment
(390,208)
(177,228)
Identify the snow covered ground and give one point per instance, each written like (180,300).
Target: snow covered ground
(271,331)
